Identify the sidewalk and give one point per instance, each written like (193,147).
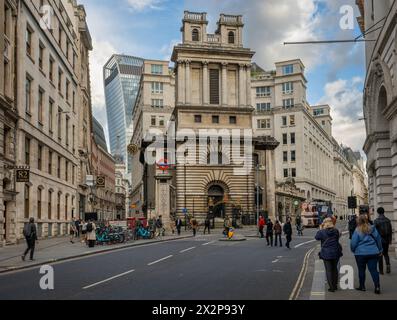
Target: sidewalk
(60,249)
(320,286)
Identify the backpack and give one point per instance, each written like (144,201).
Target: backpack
(89,227)
(27,230)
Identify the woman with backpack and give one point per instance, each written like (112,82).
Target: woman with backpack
(366,245)
(91,234)
(331,252)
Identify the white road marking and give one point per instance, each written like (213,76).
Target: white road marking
(304,243)
(152,263)
(302,276)
(208,243)
(275,261)
(109,279)
(186,250)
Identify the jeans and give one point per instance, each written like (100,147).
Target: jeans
(331,269)
(31,242)
(372,263)
(289,240)
(278,237)
(385,245)
(269,239)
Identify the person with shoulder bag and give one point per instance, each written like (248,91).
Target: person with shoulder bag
(331,252)
(30,234)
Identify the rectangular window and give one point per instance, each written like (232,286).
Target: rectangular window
(292,120)
(284,121)
(41,56)
(263,92)
(51,69)
(50,115)
(49,205)
(60,75)
(153,121)
(157,87)
(67,131)
(288,88)
(50,162)
(40,158)
(74,101)
(288,69)
(39,191)
(161,122)
(66,171)
(233,120)
(293,173)
(28,40)
(285,139)
(59,168)
(197,119)
(27,201)
(40,106)
(59,207)
(288,103)
(27,151)
(67,90)
(264,124)
(293,156)
(263,107)
(214,86)
(59,123)
(285,156)
(28,95)
(293,138)
(286,173)
(157,69)
(157,103)
(215,119)
(73,174)
(73,138)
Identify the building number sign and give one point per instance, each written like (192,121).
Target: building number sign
(23,175)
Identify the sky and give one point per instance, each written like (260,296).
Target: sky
(150,28)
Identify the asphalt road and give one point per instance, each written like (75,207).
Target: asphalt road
(203,268)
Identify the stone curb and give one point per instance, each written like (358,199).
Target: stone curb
(13,269)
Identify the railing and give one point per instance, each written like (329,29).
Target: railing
(231,18)
(197,16)
(213,38)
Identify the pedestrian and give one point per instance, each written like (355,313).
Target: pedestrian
(72,230)
(84,231)
(288,233)
(207,225)
(91,234)
(299,225)
(30,234)
(384,228)
(159,227)
(77,228)
(366,245)
(278,231)
(352,225)
(261,226)
(194,224)
(269,233)
(178,225)
(331,252)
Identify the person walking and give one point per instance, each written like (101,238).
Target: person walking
(367,247)
(352,225)
(384,228)
(77,226)
(288,232)
(331,252)
(299,226)
(194,224)
(178,225)
(30,234)
(159,227)
(269,233)
(91,234)
(207,225)
(278,231)
(72,230)
(261,226)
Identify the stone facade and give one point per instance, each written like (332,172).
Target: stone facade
(380,105)
(8,119)
(52,86)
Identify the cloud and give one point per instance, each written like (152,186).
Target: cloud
(167,50)
(140,5)
(345,98)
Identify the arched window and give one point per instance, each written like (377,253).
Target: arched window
(195,35)
(231,37)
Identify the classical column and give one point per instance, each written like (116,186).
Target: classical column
(241,86)
(181,82)
(248,88)
(224,83)
(188,82)
(206,97)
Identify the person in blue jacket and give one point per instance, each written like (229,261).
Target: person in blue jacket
(367,247)
(331,252)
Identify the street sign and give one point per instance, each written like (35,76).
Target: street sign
(90,181)
(100,182)
(23,175)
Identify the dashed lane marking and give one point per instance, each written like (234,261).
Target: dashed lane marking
(107,280)
(189,249)
(160,260)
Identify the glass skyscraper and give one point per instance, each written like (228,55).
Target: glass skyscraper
(122,76)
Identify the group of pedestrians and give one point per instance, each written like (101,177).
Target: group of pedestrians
(369,243)
(274,232)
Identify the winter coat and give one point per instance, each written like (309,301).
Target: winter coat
(278,229)
(331,249)
(384,227)
(366,244)
(269,229)
(288,229)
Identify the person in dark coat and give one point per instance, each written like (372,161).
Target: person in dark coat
(352,225)
(331,252)
(278,231)
(269,233)
(384,227)
(178,225)
(207,225)
(288,233)
(30,234)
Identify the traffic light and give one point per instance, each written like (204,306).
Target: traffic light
(352,202)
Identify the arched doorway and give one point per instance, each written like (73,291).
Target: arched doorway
(216,201)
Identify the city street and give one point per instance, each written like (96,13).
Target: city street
(200,268)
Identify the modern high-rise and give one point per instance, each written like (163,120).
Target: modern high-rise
(122,75)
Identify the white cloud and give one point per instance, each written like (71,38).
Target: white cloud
(345,98)
(140,5)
